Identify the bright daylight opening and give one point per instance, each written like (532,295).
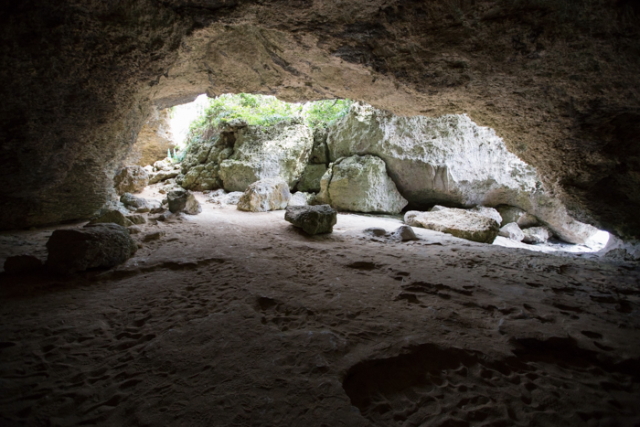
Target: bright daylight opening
(445,174)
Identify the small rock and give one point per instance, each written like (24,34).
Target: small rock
(134,229)
(312,219)
(131,179)
(375,231)
(535,235)
(512,231)
(153,236)
(265,195)
(404,233)
(97,245)
(22,264)
(157,210)
(137,219)
(183,201)
(132,202)
(112,216)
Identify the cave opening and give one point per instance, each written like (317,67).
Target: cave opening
(230,317)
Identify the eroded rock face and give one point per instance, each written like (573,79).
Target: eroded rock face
(576,118)
(153,141)
(131,179)
(360,184)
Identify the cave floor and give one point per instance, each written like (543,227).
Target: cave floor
(238,319)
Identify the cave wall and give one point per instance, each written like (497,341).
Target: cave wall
(557,80)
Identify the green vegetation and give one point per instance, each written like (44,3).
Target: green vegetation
(261,110)
(264,110)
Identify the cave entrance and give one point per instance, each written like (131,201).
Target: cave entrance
(359,159)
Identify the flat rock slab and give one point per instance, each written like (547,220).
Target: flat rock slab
(312,219)
(457,222)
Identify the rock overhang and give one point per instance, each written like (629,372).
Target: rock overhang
(564,99)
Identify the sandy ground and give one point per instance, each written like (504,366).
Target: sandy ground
(238,319)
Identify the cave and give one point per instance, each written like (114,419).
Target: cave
(238,318)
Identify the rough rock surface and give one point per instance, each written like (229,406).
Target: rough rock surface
(404,233)
(183,201)
(451,160)
(512,231)
(237,155)
(311,177)
(534,235)
(265,195)
(153,141)
(135,203)
(98,245)
(131,179)
(360,184)
(513,214)
(300,198)
(113,216)
(222,198)
(312,219)
(457,222)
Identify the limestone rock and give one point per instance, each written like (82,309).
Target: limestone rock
(113,216)
(320,152)
(265,195)
(312,219)
(450,160)
(360,184)
(278,151)
(488,212)
(404,233)
(310,178)
(131,179)
(300,198)
(137,219)
(154,139)
(513,214)
(535,235)
(156,235)
(222,198)
(183,201)
(18,264)
(512,231)
(457,222)
(135,203)
(163,175)
(98,245)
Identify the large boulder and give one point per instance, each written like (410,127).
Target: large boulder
(300,198)
(261,152)
(311,177)
(265,195)
(183,201)
(130,179)
(236,155)
(98,245)
(312,219)
(452,161)
(457,222)
(360,184)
